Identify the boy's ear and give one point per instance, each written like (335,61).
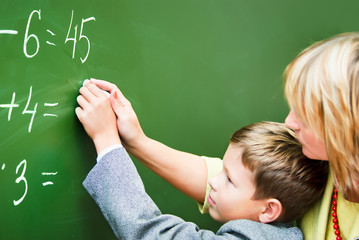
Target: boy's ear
(271,212)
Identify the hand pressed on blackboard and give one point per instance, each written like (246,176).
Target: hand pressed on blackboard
(185,171)
(127,122)
(96,115)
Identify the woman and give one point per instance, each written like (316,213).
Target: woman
(322,88)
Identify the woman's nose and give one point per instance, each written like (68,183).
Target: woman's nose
(291,121)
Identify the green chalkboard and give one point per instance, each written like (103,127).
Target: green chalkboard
(194,70)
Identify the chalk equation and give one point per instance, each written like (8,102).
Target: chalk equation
(72,36)
(31,110)
(21,179)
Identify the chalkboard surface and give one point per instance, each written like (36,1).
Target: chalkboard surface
(195,71)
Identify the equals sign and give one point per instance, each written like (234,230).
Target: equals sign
(48,174)
(52,34)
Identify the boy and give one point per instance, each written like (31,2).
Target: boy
(265,179)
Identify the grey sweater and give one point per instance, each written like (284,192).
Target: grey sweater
(119,192)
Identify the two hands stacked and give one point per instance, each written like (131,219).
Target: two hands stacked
(111,120)
(105,118)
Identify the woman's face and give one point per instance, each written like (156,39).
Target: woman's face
(312,146)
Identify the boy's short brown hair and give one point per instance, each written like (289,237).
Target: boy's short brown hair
(281,170)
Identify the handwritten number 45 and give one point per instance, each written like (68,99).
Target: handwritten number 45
(82,36)
(68,38)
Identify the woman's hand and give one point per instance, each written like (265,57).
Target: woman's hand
(127,122)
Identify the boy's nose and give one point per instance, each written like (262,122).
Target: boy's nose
(212,183)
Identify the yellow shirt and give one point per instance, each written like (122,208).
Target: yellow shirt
(317,222)
(214,166)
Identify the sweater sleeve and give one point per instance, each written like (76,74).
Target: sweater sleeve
(119,192)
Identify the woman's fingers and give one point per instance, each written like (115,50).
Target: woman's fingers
(116,104)
(110,87)
(90,92)
(96,91)
(107,86)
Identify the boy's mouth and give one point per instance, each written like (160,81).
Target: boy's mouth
(210,201)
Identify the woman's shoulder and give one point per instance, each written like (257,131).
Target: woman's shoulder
(314,222)
(317,222)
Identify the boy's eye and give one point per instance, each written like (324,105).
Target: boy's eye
(229,180)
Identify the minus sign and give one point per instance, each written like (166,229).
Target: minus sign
(14,32)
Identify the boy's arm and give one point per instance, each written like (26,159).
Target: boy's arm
(185,171)
(119,192)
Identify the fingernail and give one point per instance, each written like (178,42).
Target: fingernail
(115,95)
(86,81)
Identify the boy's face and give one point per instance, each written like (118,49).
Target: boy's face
(232,190)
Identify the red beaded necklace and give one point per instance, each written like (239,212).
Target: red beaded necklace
(334,214)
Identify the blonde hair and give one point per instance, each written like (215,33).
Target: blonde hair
(322,88)
(271,151)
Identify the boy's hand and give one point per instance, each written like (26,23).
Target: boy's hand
(127,122)
(96,115)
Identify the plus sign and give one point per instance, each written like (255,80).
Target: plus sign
(10,106)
